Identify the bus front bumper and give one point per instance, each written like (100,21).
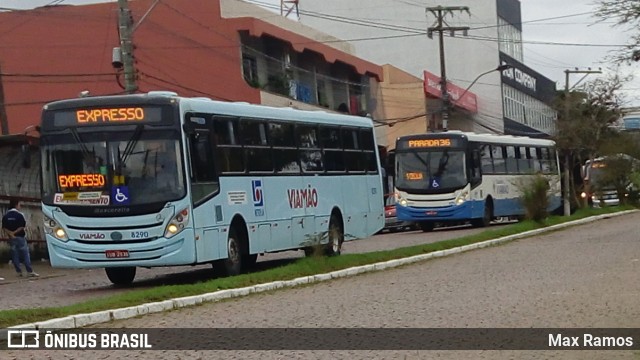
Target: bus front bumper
(446,213)
(178,250)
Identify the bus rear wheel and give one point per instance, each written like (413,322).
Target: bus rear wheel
(121,275)
(336,236)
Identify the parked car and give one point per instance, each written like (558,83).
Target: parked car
(391,222)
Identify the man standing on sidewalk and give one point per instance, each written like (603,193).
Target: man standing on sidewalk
(13,224)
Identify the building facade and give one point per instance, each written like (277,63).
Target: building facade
(515,101)
(224,50)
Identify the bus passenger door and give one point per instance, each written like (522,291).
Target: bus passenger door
(205,185)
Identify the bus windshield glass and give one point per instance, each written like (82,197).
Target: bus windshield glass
(132,166)
(597,172)
(431,171)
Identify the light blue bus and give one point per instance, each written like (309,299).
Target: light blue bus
(454,177)
(157,179)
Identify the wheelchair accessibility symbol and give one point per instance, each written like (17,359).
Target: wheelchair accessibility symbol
(120,195)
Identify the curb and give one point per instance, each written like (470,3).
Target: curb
(80,320)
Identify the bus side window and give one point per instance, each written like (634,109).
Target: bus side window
(476,176)
(310,153)
(545,160)
(285,153)
(257,151)
(229,155)
(367,142)
(332,145)
(485,160)
(512,162)
(354,157)
(553,160)
(203,176)
(497,154)
(524,166)
(535,159)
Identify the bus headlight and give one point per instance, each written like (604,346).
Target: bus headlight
(462,197)
(52,227)
(177,223)
(399,199)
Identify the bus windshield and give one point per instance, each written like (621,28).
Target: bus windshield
(430,171)
(127,167)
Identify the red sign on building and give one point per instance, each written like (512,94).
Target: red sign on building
(432,87)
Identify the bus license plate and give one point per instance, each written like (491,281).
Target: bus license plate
(111,254)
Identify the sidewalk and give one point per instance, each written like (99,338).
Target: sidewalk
(41,267)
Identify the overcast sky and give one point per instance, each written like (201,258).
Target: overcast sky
(548,59)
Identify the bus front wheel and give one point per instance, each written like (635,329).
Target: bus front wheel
(233,263)
(487,216)
(427,226)
(121,275)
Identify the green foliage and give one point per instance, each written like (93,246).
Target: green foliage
(534,196)
(279,84)
(253,82)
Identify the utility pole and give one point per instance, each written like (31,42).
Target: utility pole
(440,12)
(567,157)
(4,122)
(125,23)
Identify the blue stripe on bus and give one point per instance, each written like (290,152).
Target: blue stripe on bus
(473,209)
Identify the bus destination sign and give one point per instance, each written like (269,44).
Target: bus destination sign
(430,143)
(110,115)
(106,115)
(81,181)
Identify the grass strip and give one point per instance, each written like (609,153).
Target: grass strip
(302,267)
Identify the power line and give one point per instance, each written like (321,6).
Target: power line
(55,75)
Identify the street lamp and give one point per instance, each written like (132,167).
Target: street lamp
(567,156)
(499,68)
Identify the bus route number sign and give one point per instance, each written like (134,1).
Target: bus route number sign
(426,143)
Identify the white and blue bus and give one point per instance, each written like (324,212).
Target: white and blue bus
(454,177)
(156,179)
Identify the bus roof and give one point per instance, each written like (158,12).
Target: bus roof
(202,104)
(486,138)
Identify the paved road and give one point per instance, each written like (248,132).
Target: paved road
(584,276)
(58,287)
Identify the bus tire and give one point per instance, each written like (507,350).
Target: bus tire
(487,215)
(427,226)
(335,235)
(121,275)
(233,264)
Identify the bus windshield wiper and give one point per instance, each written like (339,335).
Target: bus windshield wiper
(83,147)
(131,144)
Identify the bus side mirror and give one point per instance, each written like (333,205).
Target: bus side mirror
(188,129)
(26,156)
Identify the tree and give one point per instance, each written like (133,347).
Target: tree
(623,13)
(587,125)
